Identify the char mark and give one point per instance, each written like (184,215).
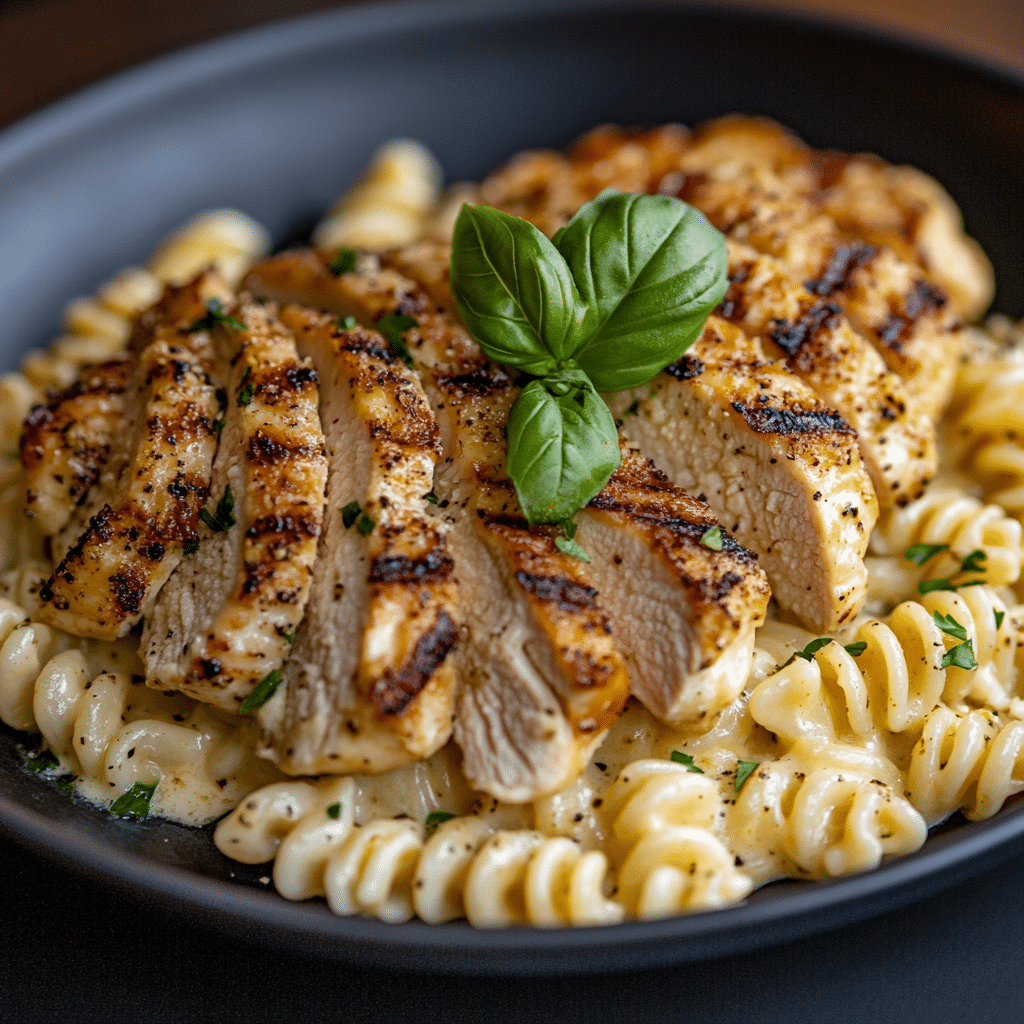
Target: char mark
(484,381)
(791,337)
(763,419)
(842,263)
(433,567)
(732,306)
(685,368)
(289,528)
(569,595)
(393,693)
(924,298)
(265,450)
(368,343)
(128,588)
(713,589)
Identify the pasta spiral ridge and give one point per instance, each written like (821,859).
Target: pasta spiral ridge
(668,860)
(821,811)
(965,761)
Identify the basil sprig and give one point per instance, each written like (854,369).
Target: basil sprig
(617,295)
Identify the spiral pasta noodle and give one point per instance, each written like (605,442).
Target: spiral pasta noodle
(105,727)
(965,761)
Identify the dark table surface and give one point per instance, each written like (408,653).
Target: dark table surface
(70,949)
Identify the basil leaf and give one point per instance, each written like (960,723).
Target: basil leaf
(134,803)
(651,270)
(949,625)
(679,757)
(562,446)
(514,291)
(961,656)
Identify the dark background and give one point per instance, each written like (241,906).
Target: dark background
(71,949)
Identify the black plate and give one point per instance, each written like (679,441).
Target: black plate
(276,122)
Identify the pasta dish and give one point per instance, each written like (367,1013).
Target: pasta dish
(282,551)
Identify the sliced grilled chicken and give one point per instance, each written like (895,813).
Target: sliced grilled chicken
(222,622)
(911,213)
(683,613)
(540,678)
(780,468)
(683,597)
(370,683)
(65,443)
(812,337)
(753,181)
(123,543)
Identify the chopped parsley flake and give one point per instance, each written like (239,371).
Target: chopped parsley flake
(224,517)
(856,649)
(344,261)
(67,787)
(245,395)
(949,625)
(435,818)
(334,811)
(999,618)
(920,553)
(191,546)
(365,525)
(290,637)
(393,326)
(42,762)
(346,323)
(972,563)
(222,410)
(712,538)
(262,693)
(744,769)
(634,407)
(134,803)
(431,497)
(961,656)
(215,315)
(686,760)
(350,513)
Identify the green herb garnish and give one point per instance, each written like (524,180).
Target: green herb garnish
(42,762)
(617,295)
(245,395)
(393,326)
(920,553)
(191,546)
(344,261)
(222,410)
(134,803)
(67,787)
(686,760)
(290,637)
(949,625)
(712,538)
(215,315)
(435,818)
(365,525)
(224,517)
(334,811)
(346,323)
(350,513)
(856,649)
(262,693)
(999,618)
(634,407)
(431,497)
(961,656)
(573,548)
(744,769)
(972,563)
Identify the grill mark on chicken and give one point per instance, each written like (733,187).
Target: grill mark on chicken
(768,420)
(841,264)
(567,594)
(924,299)
(393,692)
(791,336)
(431,567)
(685,368)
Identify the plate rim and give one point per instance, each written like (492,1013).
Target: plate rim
(457,948)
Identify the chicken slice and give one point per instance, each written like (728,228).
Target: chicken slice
(813,338)
(753,181)
(123,543)
(682,613)
(370,683)
(540,678)
(780,468)
(64,443)
(911,213)
(222,622)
